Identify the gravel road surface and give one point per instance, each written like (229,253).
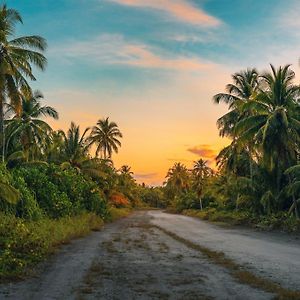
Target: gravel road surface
(134,259)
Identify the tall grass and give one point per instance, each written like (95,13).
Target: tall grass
(280,221)
(23,243)
(118,213)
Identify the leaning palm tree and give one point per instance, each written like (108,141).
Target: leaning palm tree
(17,56)
(27,126)
(105,135)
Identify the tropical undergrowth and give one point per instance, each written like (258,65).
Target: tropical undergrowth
(25,243)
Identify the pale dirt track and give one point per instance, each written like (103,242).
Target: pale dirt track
(131,259)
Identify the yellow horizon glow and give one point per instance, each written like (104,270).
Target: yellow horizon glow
(158,126)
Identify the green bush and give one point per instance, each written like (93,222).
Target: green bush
(55,203)
(27,207)
(54,192)
(187,200)
(82,192)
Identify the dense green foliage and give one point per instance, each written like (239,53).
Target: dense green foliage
(258,173)
(51,187)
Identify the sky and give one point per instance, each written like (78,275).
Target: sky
(153,66)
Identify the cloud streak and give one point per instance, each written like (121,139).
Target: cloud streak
(203,151)
(113,49)
(182,10)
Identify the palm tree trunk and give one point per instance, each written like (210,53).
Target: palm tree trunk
(2,101)
(2,131)
(200,202)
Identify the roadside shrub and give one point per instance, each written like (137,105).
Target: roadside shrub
(27,207)
(188,200)
(61,192)
(6,179)
(83,192)
(281,220)
(118,200)
(55,203)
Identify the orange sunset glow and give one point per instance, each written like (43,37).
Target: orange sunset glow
(153,68)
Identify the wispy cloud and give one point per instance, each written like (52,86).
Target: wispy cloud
(182,10)
(191,38)
(204,151)
(114,49)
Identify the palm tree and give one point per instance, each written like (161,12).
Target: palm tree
(105,136)
(274,122)
(178,178)
(201,172)
(75,145)
(126,170)
(17,56)
(55,146)
(27,126)
(245,85)
(75,153)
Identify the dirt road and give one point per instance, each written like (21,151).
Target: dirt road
(139,258)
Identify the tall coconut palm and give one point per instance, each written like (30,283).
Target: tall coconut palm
(17,56)
(201,172)
(27,125)
(105,135)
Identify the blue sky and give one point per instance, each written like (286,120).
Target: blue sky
(154,65)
